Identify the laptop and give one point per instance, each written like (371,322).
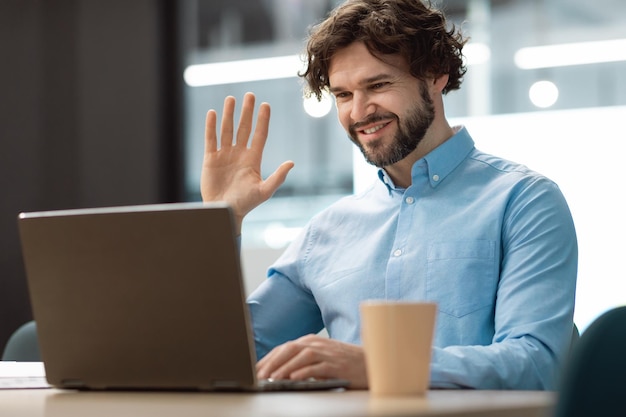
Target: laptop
(146,297)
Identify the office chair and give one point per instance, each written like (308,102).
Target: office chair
(575,337)
(594,379)
(23,345)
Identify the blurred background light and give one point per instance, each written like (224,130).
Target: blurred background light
(315,108)
(476,53)
(562,55)
(242,71)
(543,94)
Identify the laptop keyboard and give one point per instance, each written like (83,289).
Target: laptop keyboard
(301,385)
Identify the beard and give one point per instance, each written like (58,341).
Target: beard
(410,133)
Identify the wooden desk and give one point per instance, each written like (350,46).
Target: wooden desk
(450,403)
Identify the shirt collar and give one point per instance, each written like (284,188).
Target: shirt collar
(441,161)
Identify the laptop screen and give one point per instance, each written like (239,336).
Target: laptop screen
(139,297)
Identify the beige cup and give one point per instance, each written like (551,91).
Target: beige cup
(397,338)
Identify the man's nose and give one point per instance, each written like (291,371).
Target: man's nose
(362,107)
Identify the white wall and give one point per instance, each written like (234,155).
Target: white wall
(254,264)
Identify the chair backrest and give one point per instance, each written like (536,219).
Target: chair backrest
(575,336)
(23,345)
(594,378)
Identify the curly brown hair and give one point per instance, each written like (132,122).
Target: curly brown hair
(410,28)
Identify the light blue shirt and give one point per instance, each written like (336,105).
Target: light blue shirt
(492,242)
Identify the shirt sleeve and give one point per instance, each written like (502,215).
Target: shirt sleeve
(280,309)
(533,315)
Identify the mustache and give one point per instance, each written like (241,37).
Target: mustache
(372,119)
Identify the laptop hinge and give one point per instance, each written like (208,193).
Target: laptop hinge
(225,384)
(73,383)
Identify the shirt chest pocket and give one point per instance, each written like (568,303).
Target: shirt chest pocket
(461,276)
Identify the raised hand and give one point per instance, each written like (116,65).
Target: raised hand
(231,172)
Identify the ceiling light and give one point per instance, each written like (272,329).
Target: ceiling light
(571,54)
(476,53)
(232,72)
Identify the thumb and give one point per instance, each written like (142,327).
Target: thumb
(277,178)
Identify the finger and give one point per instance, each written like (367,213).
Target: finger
(245,120)
(276,179)
(288,357)
(226,132)
(262,128)
(263,370)
(305,358)
(319,370)
(276,358)
(210,135)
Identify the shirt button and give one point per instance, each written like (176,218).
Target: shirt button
(409,200)
(397,252)
(435,177)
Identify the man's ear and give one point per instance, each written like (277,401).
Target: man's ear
(440,82)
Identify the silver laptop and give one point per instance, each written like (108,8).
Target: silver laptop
(142,297)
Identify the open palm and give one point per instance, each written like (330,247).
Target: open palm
(231,170)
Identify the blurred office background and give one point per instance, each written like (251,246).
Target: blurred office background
(103,103)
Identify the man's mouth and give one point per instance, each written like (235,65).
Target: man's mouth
(374,129)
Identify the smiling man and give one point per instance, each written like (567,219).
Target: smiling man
(372,94)
(492,242)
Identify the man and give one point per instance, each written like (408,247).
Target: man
(492,242)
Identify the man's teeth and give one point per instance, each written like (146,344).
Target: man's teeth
(373,129)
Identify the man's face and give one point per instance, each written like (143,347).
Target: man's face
(384,109)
